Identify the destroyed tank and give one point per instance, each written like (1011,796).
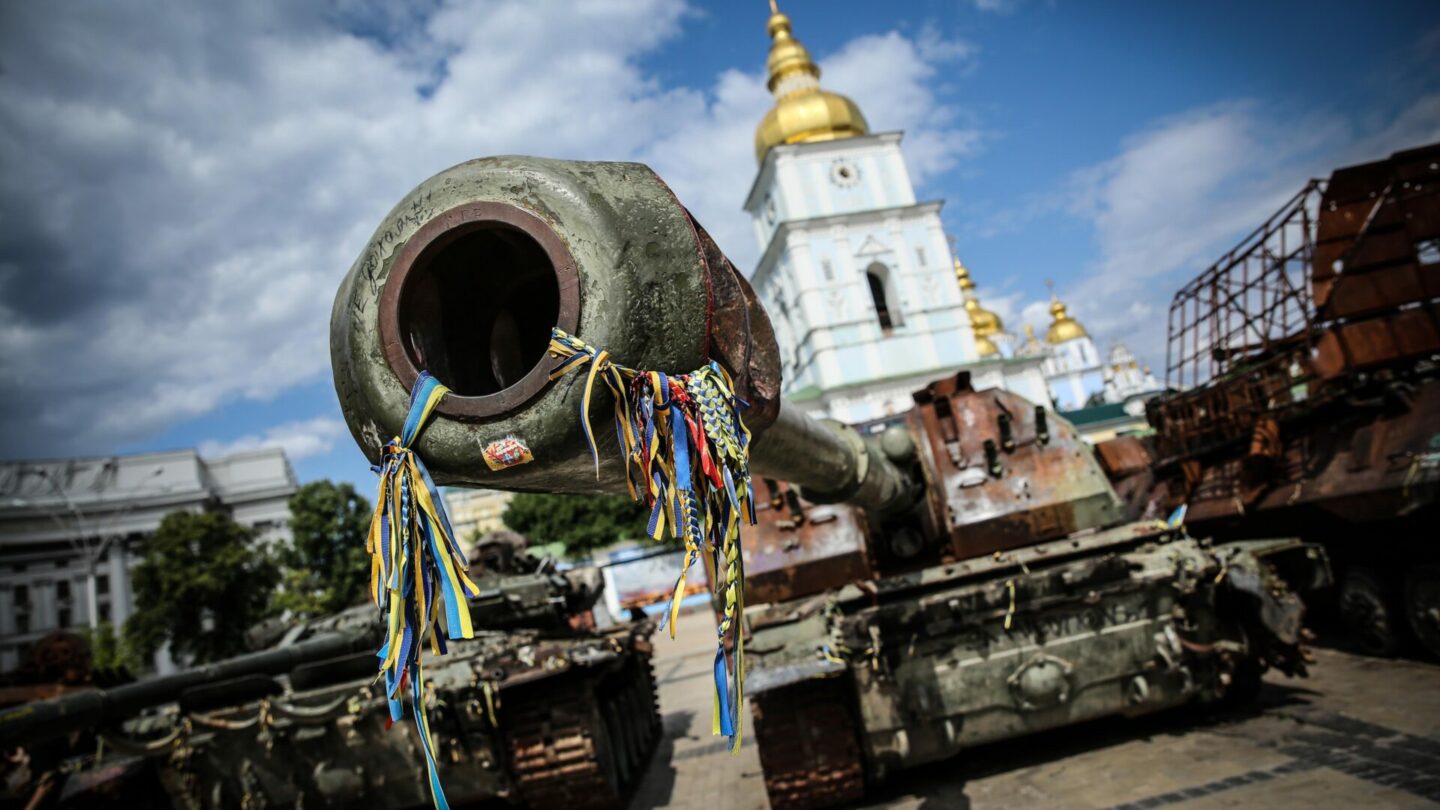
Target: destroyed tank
(966,577)
(1305,394)
(532,711)
(1014,599)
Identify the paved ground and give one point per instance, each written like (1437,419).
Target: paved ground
(1359,732)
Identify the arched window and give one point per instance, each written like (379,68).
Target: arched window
(875,275)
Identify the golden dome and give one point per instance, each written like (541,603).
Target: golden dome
(1064,327)
(985,347)
(962,276)
(803,112)
(983,321)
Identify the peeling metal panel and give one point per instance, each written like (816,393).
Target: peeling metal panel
(1374,224)
(1368,467)
(1124,455)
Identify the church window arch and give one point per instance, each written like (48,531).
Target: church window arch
(882,296)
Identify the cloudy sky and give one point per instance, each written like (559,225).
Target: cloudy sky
(182,185)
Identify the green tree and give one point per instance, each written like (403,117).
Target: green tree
(111,650)
(326,567)
(202,581)
(582,523)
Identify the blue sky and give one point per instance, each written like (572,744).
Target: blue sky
(184,189)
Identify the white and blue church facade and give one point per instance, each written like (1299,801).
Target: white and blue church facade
(855,272)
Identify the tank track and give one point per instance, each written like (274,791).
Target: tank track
(809,749)
(584,745)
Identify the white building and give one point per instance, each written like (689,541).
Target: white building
(475,512)
(1112,402)
(1073,368)
(57,517)
(1124,379)
(855,271)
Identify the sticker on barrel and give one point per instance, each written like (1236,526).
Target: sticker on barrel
(507,452)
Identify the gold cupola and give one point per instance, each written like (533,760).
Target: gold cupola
(1063,328)
(803,113)
(984,323)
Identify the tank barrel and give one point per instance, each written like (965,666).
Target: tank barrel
(469,274)
(43,720)
(831,463)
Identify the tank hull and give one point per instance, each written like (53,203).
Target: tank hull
(333,745)
(538,709)
(1129,620)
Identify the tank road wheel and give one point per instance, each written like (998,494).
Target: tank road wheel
(1422,606)
(1367,609)
(561,756)
(809,747)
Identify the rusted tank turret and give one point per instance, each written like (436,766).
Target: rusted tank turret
(964,577)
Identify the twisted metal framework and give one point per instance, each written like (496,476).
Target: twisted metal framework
(1241,333)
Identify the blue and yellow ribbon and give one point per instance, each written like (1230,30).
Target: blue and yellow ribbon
(415,563)
(687,453)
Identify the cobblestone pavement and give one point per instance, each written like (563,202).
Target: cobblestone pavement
(1359,732)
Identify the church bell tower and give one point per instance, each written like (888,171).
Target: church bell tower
(856,274)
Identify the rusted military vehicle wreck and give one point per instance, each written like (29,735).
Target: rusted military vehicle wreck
(532,711)
(1305,394)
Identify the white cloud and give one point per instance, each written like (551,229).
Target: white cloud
(1037,314)
(303,439)
(185,185)
(1186,189)
(892,78)
(996,6)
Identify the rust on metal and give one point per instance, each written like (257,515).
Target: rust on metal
(1129,463)
(1341,280)
(1386,467)
(741,337)
(1300,360)
(1377,248)
(991,498)
(582,750)
(808,746)
(596,243)
(1123,455)
(1240,334)
(797,548)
